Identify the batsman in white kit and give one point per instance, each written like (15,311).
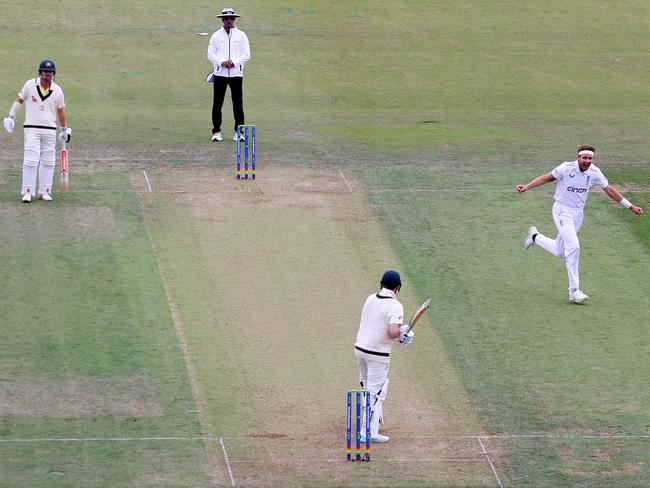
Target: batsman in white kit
(574,180)
(381,323)
(44,103)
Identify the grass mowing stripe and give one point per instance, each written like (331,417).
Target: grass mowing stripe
(88,345)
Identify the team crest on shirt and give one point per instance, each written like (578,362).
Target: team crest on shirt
(588,178)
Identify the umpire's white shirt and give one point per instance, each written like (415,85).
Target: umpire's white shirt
(226,46)
(40,105)
(373,340)
(573,185)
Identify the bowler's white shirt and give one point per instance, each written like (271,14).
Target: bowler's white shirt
(380,310)
(40,105)
(573,185)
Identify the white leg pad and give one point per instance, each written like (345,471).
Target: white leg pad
(383,391)
(376,411)
(375,416)
(45,176)
(30,169)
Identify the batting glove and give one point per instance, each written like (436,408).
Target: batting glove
(9,124)
(406,335)
(65,134)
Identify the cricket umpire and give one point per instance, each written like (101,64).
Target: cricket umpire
(44,103)
(381,323)
(228,51)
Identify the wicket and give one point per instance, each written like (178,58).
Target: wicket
(358,394)
(245,128)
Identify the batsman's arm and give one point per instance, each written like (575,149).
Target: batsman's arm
(15,107)
(539,181)
(9,121)
(393,331)
(62,118)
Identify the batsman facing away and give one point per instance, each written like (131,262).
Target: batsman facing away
(381,323)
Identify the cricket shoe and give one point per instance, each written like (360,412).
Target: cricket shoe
(238,137)
(27,197)
(530,242)
(577,296)
(379,438)
(216,137)
(46,197)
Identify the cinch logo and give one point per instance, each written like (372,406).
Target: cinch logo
(576,190)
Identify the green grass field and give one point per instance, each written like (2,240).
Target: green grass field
(163,325)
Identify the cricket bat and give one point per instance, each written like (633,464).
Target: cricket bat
(418,314)
(64,158)
(63,179)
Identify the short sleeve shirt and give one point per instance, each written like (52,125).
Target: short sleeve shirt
(41,105)
(380,310)
(573,185)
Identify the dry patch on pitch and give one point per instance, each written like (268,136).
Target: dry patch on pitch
(267,280)
(61,223)
(27,396)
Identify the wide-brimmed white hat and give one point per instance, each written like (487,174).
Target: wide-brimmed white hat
(227,12)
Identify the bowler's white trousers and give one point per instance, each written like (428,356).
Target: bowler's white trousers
(568,221)
(40,147)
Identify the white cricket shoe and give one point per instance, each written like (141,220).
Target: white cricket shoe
(216,137)
(46,197)
(379,438)
(27,197)
(238,137)
(529,242)
(577,296)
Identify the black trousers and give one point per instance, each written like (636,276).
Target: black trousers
(236,84)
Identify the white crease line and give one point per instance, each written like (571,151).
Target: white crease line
(441,190)
(374,460)
(554,436)
(491,436)
(490,461)
(102,439)
(147,178)
(225,455)
(345,179)
(603,437)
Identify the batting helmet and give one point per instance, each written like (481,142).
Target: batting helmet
(47,66)
(391,279)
